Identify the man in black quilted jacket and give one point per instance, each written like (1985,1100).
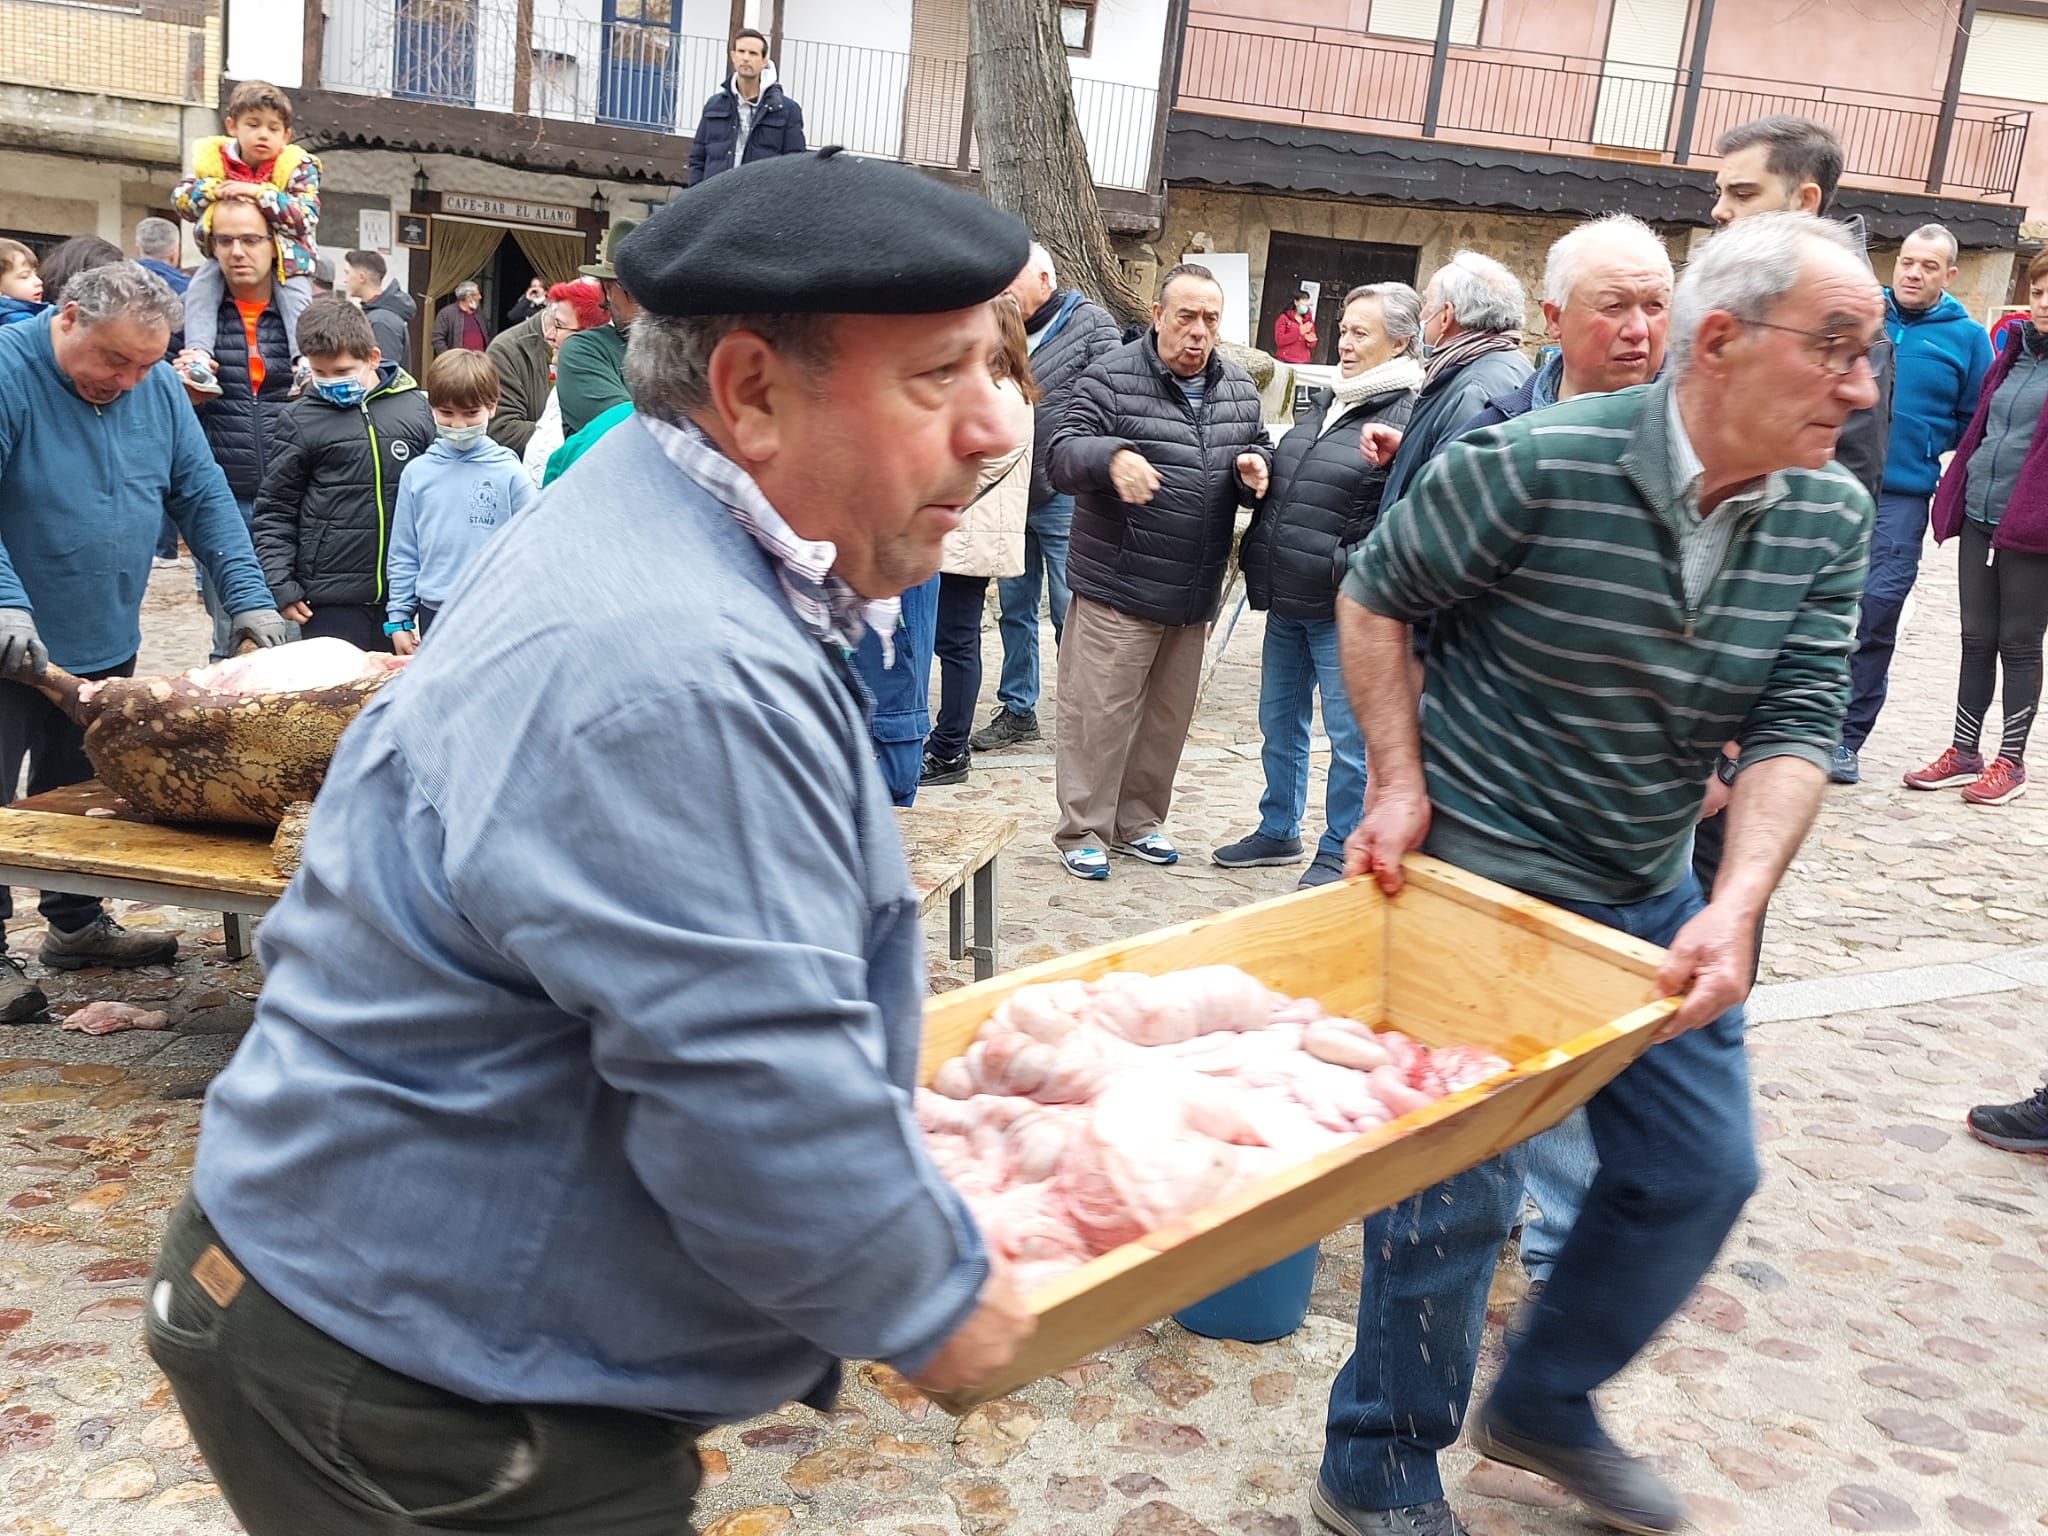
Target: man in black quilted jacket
(1066,331)
(1162,440)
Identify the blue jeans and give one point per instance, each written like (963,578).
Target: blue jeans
(1677,1161)
(223,625)
(1895,542)
(1046,530)
(901,691)
(1299,660)
(1559,1169)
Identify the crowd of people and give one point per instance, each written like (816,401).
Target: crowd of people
(1596,627)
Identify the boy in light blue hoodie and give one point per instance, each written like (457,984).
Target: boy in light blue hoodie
(21,283)
(463,490)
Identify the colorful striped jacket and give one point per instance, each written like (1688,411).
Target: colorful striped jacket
(290,199)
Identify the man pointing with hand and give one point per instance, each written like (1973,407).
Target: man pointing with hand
(1163,440)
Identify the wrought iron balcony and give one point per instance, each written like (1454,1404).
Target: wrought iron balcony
(1553,103)
(655,77)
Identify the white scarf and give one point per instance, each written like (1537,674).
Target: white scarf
(1393,377)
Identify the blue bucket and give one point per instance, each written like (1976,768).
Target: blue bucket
(1265,1305)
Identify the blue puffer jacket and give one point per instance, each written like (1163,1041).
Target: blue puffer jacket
(1445,405)
(778,130)
(1940,356)
(238,425)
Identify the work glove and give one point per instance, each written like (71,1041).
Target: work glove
(265,626)
(21,648)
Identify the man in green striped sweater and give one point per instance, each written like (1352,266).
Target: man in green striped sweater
(1619,585)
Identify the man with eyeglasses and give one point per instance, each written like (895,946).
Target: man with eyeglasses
(253,358)
(1646,573)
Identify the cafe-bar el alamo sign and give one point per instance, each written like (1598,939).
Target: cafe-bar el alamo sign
(552,214)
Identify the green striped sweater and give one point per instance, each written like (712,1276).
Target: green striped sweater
(1574,701)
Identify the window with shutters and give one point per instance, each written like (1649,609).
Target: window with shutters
(1418,19)
(2008,57)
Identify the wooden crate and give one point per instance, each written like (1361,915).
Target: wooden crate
(1453,959)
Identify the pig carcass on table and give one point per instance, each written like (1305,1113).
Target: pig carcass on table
(1086,1114)
(239,741)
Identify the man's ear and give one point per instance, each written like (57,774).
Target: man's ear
(1553,316)
(1809,197)
(750,393)
(1718,332)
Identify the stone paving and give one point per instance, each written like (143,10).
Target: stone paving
(1871,1352)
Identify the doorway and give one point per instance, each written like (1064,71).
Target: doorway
(1329,269)
(642,39)
(503,280)
(434,53)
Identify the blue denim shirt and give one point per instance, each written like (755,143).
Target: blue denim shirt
(581,1072)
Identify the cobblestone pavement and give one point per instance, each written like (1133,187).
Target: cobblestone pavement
(1871,1353)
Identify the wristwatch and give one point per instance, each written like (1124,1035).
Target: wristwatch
(1725,768)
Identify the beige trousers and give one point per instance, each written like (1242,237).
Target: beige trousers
(1126,698)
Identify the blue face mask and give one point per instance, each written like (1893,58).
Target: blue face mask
(349,392)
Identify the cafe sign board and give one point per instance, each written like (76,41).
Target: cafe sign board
(512,211)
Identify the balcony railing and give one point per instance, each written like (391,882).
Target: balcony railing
(897,106)
(162,50)
(1567,105)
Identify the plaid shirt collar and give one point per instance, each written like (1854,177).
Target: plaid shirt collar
(825,605)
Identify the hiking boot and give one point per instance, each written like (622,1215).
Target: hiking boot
(943,770)
(1613,1485)
(2001,781)
(1256,850)
(1006,729)
(1431,1519)
(20,998)
(1947,771)
(1153,848)
(105,942)
(1845,769)
(2021,1127)
(1327,869)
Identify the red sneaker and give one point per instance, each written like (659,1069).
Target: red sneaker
(1947,771)
(2000,782)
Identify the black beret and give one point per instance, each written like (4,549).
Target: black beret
(823,233)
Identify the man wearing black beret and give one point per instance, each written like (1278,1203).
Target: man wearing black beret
(576,1114)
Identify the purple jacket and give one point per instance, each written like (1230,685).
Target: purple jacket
(2024,523)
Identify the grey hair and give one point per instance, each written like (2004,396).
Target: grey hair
(1573,251)
(1186,269)
(121,290)
(1040,260)
(668,357)
(1940,236)
(157,238)
(1744,270)
(1482,294)
(468,289)
(1400,313)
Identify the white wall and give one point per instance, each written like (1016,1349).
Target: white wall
(1130,39)
(266,41)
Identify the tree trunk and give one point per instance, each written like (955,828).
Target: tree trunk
(1033,160)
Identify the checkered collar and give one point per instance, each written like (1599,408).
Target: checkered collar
(824,604)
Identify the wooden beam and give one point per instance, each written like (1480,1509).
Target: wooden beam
(1945,125)
(1438,58)
(1696,72)
(329,119)
(1169,87)
(775,32)
(522,58)
(309,49)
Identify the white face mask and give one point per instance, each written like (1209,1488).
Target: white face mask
(461,439)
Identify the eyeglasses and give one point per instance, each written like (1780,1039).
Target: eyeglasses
(244,242)
(1839,355)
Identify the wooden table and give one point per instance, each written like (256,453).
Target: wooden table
(228,869)
(224,869)
(949,851)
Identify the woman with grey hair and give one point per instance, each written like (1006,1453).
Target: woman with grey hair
(461,322)
(1324,500)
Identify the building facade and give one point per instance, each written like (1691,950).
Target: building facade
(1339,141)
(96,105)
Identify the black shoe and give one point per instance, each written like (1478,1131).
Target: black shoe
(1431,1519)
(943,770)
(1006,729)
(1256,850)
(105,942)
(2021,1127)
(20,998)
(1613,1485)
(1327,869)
